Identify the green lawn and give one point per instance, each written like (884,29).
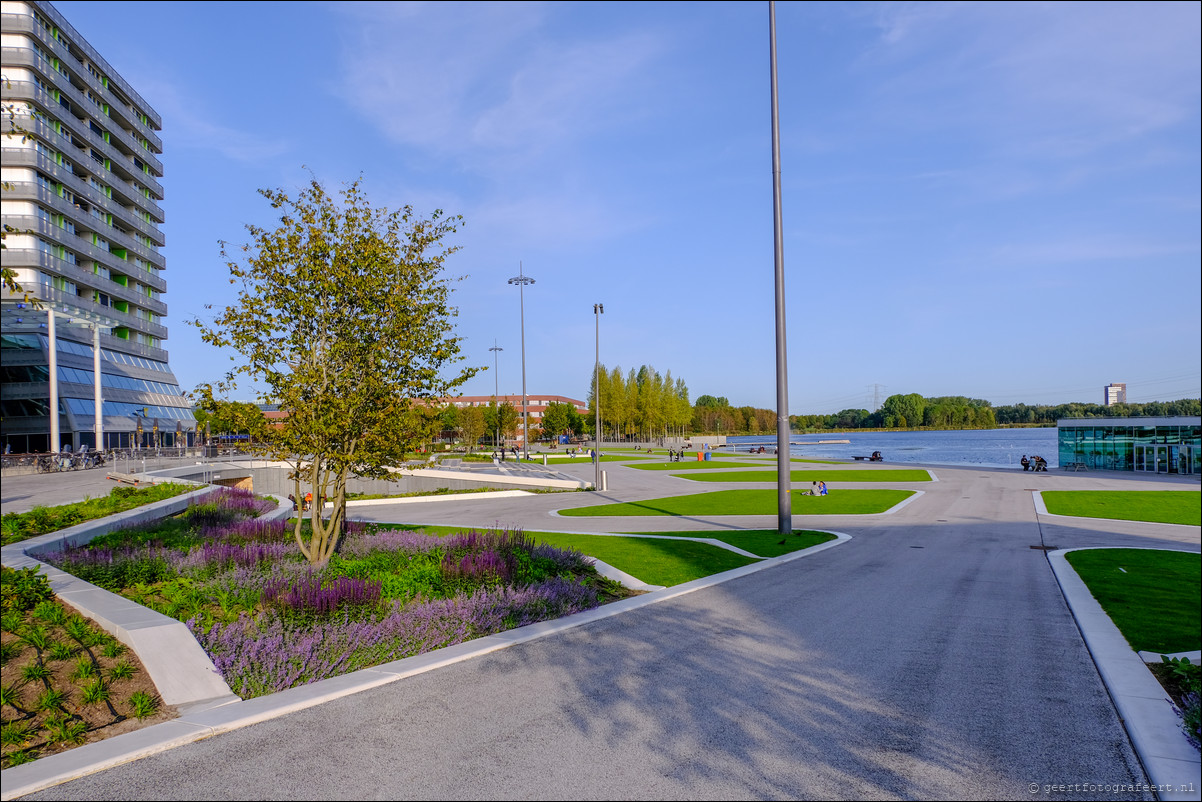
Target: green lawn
(665,560)
(800,477)
(1157,506)
(1151,595)
(753,502)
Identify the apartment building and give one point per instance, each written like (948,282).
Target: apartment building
(536,405)
(81,207)
(1115,394)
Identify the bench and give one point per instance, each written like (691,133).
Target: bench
(857,459)
(1075,466)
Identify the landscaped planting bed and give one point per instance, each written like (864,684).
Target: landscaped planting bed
(270,621)
(18,526)
(65,682)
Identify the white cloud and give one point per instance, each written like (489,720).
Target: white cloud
(493,89)
(1055,81)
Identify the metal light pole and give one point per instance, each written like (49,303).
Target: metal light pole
(496,406)
(784,502)
(522,280)
(598,311)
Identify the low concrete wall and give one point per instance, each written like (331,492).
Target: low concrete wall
(271,478)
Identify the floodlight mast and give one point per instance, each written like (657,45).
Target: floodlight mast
(784,502)
(521,279)
(495,385)
(598,311)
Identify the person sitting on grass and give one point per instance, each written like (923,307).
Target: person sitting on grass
(813,491)
(822,488)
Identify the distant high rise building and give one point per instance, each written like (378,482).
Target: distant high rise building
(1115,394)
(81,172)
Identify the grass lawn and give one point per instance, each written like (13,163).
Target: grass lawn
(665,560)
(1156,506)
(800,477)
(752,502)
(1151,595)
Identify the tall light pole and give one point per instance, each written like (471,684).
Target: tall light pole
(522,280)
(784,503)
(495,384)
(598,311)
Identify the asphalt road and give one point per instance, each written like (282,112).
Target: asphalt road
(931,657)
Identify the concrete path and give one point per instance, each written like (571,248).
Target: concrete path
(931,656)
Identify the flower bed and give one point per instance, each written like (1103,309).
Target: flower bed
(270,621)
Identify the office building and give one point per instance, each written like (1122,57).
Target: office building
(82,175)
(1115,394)
(1169,445)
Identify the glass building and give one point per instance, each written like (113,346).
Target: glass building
(82,342)
(1151,445)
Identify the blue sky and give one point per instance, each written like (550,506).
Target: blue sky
(993,200)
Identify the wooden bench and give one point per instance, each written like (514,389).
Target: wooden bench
(1075,466)
(858,459)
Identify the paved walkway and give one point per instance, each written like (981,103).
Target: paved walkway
(930,656)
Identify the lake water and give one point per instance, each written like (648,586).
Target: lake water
(992,448)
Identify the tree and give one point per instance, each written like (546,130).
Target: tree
(559,418)
(510,419)
(229,417)
(471,425)
(343,318)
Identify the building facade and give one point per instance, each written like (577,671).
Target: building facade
(82,175)
(1114,394)
(1171,445)
(536,405)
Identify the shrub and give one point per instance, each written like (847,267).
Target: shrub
(24,589)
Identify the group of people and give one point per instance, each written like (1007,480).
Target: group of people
(817,489)
(305,503)
(1034,463)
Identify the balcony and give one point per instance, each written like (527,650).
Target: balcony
(83,192)
(24,23)
(24,57)
(23,257)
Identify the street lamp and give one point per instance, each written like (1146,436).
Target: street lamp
(496,407)
(522,280)
(598,311)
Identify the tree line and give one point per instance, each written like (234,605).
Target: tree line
(958,412)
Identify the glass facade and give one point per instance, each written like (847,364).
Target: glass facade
(1155,445)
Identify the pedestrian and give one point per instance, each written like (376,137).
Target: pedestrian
(1026,463)
(292,498)
(308,500)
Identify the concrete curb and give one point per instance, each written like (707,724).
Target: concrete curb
(204,722)
(1144,707)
